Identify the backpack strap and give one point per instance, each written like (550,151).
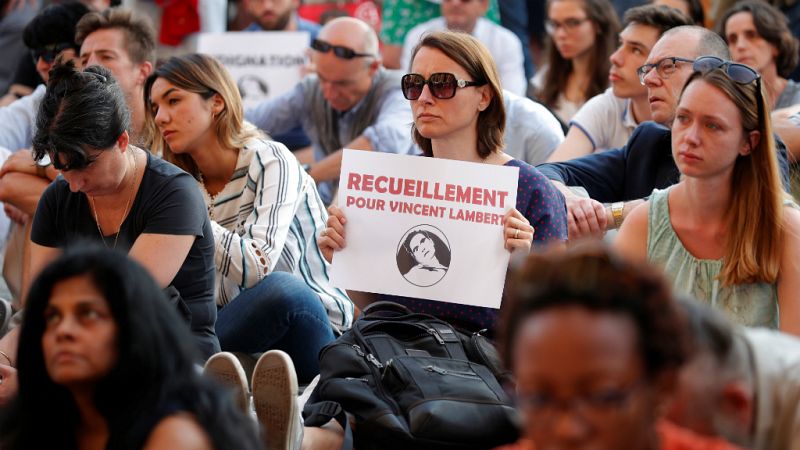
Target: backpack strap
(320,413)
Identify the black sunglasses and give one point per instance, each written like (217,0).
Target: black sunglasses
(739,73)
(442,85)
(338,50)
(49,53)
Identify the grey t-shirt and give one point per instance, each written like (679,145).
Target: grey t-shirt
(790,95)
(167,202)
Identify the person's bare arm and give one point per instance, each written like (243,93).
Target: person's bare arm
(588,217)
(789,132)
(162,254)
(22,190)
(41,256)
(789,275)
(328,168)
(631,241)
(576,144)
(178,432)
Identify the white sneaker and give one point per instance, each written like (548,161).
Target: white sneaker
(274,387)
(227,370)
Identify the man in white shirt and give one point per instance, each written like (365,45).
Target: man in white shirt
(608,119)
(467,16)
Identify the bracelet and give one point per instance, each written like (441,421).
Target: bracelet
(4,354)
(41,171)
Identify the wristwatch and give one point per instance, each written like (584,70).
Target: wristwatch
(616,213)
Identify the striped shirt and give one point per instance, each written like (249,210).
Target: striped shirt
(267,218)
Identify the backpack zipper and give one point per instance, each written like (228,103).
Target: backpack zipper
(455,373)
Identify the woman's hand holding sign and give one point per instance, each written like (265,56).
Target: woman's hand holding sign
(332,237)
(517,231)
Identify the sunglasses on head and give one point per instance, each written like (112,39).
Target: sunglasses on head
(441,85)
(739,73)
(338,50)
(49,53)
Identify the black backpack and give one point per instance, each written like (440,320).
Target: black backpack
(412,381)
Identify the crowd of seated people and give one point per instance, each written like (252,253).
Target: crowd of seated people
(176,257)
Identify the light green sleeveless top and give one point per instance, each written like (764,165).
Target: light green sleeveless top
(754,305)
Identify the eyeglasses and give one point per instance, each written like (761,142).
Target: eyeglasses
(591,407)
(442,85)
(551,26)
(664,67)
(49,53)
(338,50)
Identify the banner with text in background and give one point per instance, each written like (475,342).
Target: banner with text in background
(264,64)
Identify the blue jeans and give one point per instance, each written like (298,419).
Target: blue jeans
(280,312)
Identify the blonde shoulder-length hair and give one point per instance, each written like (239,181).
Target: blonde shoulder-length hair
(756,217)
(205,76)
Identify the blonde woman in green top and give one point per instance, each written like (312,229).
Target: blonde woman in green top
(726,232)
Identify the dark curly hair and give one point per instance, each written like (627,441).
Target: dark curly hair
(771,25)
(591,277)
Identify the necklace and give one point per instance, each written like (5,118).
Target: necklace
(124,214)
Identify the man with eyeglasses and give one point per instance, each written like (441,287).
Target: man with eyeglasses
(617,180)
(467,16)
(350,102)
(608,119)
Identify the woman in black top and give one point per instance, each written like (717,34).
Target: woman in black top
(115,193)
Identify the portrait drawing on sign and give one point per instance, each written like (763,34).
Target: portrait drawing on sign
(423,255)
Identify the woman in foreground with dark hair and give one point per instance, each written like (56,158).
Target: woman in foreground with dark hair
(105,363)
(595,344)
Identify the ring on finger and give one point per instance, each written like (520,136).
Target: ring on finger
(516,233)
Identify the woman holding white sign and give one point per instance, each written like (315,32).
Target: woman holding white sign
(458,110)
(272,284)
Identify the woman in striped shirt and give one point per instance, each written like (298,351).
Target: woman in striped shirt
(273,290)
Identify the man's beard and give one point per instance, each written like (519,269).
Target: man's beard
(280,22)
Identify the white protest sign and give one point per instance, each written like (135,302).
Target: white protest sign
(264,64)
(424,227)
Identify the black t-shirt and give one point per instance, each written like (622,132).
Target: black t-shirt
(167,202)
